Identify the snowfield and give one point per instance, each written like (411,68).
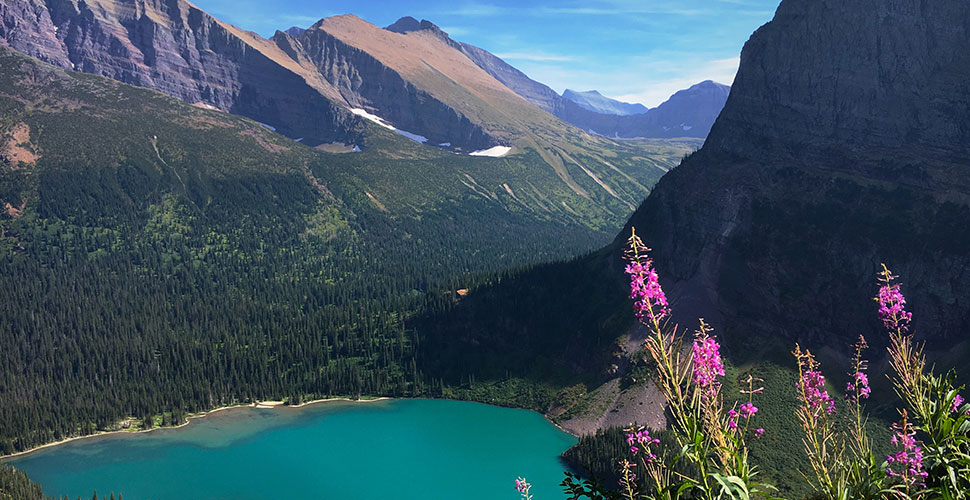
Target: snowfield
(493,152)
(382,122)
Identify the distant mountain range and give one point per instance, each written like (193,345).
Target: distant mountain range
(594,101)
(688,113)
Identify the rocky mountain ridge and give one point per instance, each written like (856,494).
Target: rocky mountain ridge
(593,100)
(688,113)
(176,48)
(823,164)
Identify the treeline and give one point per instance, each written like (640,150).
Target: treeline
(15,485)
(597,456)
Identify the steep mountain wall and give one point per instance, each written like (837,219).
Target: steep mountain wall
(176,48)
(845,142)
(365,82)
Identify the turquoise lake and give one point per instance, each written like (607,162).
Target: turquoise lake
(395,449)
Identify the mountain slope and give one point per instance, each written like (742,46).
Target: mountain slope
(536,93)
(823,164)
(594,101)
(774,230)
(324,84)
(176,48)
(844,144)
(160,257)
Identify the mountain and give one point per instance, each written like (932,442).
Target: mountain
(327,83)
(176,48)
(157,232)
(536,93)
(688,113)
(824,163)
(592,100)
(845,143)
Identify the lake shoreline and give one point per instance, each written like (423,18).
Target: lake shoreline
(261,405)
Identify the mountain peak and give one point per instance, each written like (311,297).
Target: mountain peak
(407,24)
(295,31)
(404,25)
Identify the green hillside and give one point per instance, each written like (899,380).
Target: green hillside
(159,259)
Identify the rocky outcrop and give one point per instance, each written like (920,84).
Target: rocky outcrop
(845,142)
(176,48)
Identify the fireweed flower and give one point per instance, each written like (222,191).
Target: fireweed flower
(707,364)
(892,304)
(957,403)
(811,385)
(748,410)
(906,463)
(759,432)
(650,301)
(859,387)
(523,487)
(639,439)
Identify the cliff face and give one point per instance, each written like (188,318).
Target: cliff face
(175,48)
(366,82)
(845,142)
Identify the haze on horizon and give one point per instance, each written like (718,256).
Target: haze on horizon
(639,51)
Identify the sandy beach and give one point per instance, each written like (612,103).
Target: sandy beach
(189,419)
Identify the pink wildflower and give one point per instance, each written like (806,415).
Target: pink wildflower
(639,439)
(859,386)
(906,463)
(892,304)
(759,432)
(748,410)
(812,386)
(707,364)
(957,403)
(523,488)
(650,301)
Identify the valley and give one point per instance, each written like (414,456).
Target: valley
(195,216)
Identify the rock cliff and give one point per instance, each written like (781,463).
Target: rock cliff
(845,142)
(176,48)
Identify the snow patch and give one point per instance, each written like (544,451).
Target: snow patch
(299,140)
(267,126)
(492,152)
(414,137)
(382,122)
(56,29)
(445,144)
(374,118)
(356,148)
(686,127)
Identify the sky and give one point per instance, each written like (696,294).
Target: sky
(633,50)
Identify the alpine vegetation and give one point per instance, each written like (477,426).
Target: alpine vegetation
(710,457)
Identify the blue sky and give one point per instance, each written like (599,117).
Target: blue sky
(634,50)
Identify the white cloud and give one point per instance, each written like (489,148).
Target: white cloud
(654,93)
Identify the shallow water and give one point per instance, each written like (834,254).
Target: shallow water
(398,449)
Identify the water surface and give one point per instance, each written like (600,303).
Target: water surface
(399,449)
